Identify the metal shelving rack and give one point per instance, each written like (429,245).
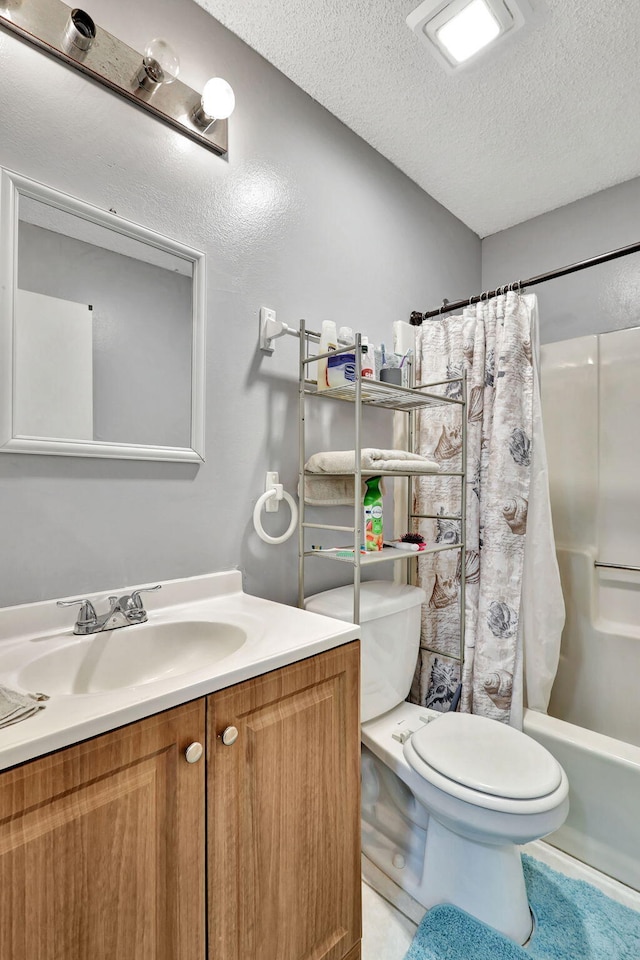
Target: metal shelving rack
(373,393)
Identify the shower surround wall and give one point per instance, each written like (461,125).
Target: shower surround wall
(302,216)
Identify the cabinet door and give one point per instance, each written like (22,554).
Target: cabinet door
(102,847)
(284,813)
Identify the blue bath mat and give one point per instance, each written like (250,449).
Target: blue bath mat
(574,921)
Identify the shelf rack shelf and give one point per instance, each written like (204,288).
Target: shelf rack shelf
(386,555)
(372,393)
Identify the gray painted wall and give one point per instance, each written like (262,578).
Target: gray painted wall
(602,298)
(302,216)
(142,325)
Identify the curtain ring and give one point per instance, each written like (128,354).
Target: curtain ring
(443,306)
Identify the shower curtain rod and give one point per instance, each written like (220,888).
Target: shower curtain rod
(416,317)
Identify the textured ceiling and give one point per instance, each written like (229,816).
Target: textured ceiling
(552,117)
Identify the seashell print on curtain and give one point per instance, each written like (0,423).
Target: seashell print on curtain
(492,342)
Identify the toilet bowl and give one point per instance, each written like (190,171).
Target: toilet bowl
(446,797)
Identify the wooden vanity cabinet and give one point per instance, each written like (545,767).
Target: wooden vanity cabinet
(283,813)
(103,853)
(102,847)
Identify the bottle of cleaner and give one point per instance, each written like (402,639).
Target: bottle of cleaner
(328,342)
(373,535)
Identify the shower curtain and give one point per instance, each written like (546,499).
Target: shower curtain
(514,606)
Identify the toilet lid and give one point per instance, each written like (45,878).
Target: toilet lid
(488,756)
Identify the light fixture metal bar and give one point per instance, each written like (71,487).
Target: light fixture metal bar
(113,64)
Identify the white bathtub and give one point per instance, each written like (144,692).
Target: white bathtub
(603,826)
(598,742)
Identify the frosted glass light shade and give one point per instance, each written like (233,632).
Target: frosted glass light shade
(469,30)
(218,99)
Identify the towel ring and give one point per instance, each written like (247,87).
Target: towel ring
(280,494)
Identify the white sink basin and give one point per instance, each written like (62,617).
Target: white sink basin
(130,656)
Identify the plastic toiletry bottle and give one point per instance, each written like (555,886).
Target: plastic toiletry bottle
(368,362)
(373,526)
(328,342)
(341,369)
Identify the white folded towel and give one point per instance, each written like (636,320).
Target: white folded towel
(325,490)
(16,706)
(344,462)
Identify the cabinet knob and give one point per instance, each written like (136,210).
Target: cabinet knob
(229,736)
(194,752)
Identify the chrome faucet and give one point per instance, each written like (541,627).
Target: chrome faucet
(123,611)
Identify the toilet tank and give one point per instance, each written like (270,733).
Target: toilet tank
(389,638)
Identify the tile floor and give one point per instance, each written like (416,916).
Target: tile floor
(387,933)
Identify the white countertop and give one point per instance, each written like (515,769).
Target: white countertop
(277,634)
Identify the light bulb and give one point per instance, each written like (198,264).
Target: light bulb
(160,64)
(218,99)
(217,102)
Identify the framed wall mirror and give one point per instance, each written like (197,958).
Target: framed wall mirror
(102,332)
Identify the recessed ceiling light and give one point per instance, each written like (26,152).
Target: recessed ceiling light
(458,31)
(469,31)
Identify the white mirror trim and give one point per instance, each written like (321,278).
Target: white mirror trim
(13,185)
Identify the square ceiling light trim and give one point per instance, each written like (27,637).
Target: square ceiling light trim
(458,32)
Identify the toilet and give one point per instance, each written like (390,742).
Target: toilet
(446,797)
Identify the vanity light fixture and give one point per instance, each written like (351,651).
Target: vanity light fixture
(80,31)
(160,64)
(148,80)
(217,102)
(458,31)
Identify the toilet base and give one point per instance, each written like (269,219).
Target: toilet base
(432,864)
(484,879)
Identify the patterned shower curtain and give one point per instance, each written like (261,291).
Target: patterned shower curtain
(493,343)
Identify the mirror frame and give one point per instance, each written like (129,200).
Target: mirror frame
(12,186)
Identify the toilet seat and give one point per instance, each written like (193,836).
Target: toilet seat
(484,763)
(488,756)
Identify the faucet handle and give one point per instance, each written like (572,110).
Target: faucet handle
(135,596)
(87,612)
